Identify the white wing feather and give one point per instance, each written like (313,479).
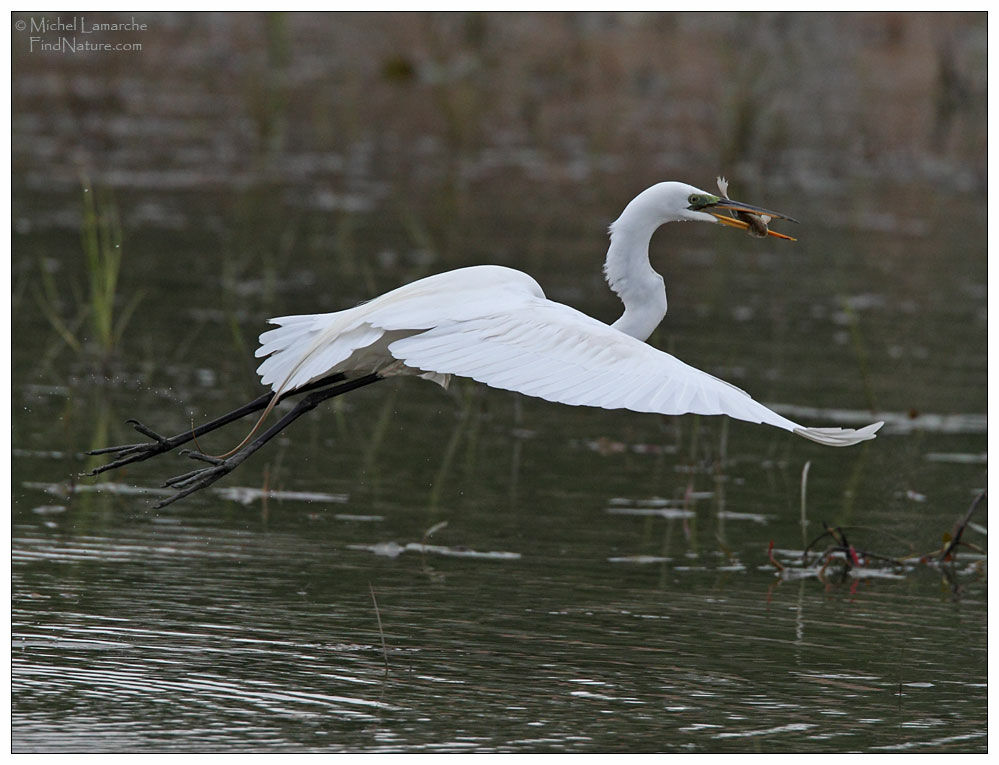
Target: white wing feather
(556,353)
(494,325)
(309,347)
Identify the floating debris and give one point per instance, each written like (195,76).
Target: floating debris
(241,494)
(958,458)
(660,501)
(246,495)
(394,550)
(789,728)
(48,509)
(662,512)
(384,549)
(461,552)
(67,489)
(873,573)
(732,567)
(361,518)
(52,455)
(730,515)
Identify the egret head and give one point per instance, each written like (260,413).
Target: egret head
(672,202)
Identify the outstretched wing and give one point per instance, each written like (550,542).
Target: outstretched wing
(554,352)
(494,325)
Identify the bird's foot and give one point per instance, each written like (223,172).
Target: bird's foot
(126,454)
(195,480)
(196,455)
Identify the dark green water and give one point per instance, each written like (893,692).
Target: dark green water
(602,582)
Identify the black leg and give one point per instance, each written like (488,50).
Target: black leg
(126,454)
(188,483)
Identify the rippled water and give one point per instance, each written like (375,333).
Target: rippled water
(234,628)
(420,570)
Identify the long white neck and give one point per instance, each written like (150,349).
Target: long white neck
(628,272)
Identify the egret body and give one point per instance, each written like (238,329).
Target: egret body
(495,325)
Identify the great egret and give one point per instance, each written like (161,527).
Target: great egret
(495,325)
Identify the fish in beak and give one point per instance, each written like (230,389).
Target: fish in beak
(750,218)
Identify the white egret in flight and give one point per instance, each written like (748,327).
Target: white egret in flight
(495,325)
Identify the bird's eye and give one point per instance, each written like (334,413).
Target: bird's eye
(692,199)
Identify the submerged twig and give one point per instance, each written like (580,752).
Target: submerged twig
(773,561)
(848,558)
(804,495)
(854,557)
(949,550)
(381,632)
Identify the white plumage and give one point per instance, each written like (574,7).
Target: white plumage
(495,325)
